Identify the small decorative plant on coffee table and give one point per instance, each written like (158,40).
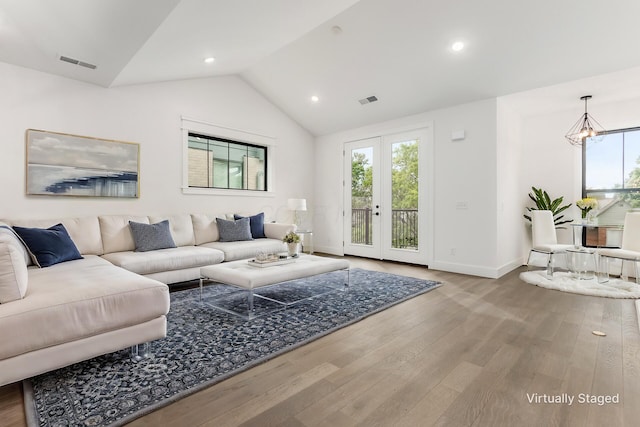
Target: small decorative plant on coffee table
(292,240)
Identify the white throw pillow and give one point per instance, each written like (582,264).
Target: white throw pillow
(13,269)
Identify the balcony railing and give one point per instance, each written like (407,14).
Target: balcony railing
(404,227)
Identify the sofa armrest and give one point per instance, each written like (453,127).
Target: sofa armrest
(276,230)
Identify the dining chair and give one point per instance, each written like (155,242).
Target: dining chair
(545,240)
(629,250)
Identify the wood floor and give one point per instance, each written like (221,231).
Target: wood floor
(471,353)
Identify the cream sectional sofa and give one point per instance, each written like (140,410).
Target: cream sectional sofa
(111,299)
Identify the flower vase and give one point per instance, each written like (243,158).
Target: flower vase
(293,249)
(585,217)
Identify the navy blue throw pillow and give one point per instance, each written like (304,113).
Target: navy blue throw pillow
(256,223)
(50,246)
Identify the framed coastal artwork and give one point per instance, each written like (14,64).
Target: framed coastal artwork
(60,164)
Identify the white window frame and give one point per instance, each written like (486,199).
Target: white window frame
(213,130)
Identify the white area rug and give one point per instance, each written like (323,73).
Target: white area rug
(614,288)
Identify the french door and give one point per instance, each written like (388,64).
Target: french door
(385,195)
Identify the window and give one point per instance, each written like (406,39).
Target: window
(611,173)
(220,160)
(222,163)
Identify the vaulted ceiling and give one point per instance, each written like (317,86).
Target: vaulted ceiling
(338,50)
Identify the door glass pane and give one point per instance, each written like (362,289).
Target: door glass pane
(404,195)
(361,195)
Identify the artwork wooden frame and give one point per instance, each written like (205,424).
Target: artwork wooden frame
(61,164)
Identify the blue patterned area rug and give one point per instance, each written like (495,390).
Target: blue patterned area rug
(205,345)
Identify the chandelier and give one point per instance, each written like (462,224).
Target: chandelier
(585,127)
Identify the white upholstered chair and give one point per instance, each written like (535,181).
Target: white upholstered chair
(630,248)
(544,239)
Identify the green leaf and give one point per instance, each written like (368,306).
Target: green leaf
(547,200)
(543,202)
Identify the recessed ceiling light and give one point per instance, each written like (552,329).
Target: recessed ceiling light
(457,46)
(209,60)
(315,99)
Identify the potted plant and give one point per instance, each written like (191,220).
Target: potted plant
(292,240)
(543,202)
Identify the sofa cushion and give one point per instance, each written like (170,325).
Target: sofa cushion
(84,231)
(181,228)
(6,230)
(256,223)
(50,246)
(96,297)
(116,233)
(165,259)
(242,250)
(205,228)
(150,237)
(275,230)
(13,268)
(234,231)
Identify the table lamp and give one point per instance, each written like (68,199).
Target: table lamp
(296,205)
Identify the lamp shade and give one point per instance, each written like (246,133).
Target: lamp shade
(297,204)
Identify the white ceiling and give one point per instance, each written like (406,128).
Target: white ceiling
(397,50)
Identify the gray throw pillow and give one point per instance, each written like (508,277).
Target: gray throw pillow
(234,231)
(149,237)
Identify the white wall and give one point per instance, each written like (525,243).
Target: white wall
(465,240)
(509,220)
(148,115)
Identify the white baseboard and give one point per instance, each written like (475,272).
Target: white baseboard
(330,250)
(509,267)
(472,270)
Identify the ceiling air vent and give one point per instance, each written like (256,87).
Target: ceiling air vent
(368,100)
(77,62)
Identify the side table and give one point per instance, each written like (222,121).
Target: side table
(307,240)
